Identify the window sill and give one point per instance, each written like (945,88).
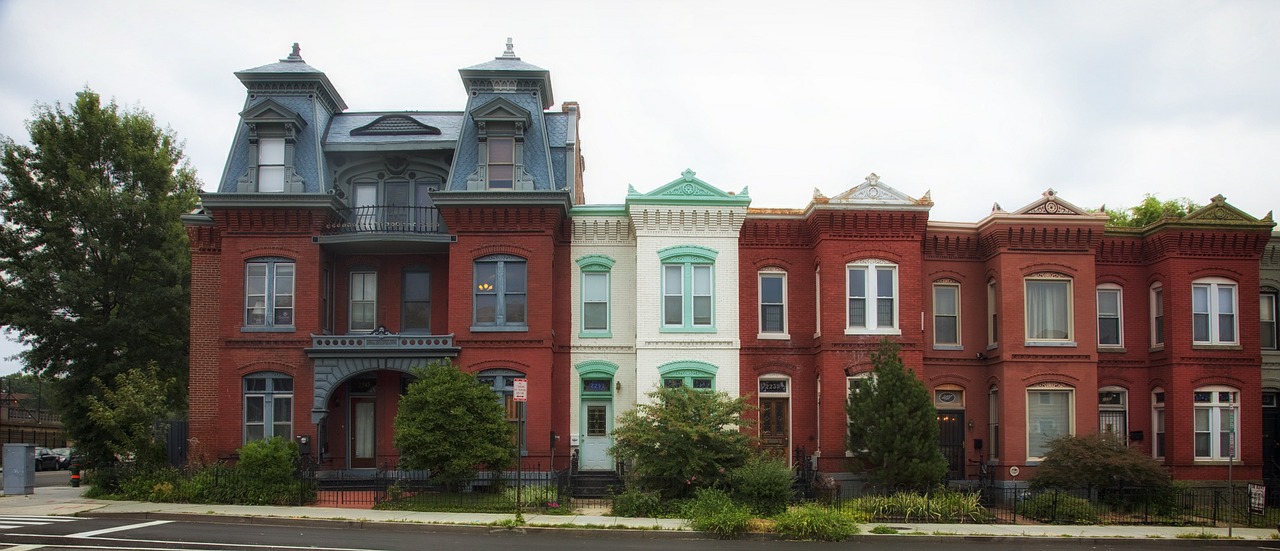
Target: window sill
(1211,461)
(256,329)
(1156,348)
(993,345)
(948,347)
(773,336)
(687,330)
(1112,350)
(1210,346)
(499,328)
(1059,344)
(595,335)
(856,331)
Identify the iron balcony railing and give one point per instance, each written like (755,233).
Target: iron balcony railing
(380,340)
(386,219)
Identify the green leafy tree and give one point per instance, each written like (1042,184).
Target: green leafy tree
(449,424)
(1150,211)
(893,427)
(1097,461)
(94,266)
(131,412)
(683,440)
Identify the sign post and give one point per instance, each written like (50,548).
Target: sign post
(520,391)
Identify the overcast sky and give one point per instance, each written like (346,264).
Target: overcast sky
(977,102)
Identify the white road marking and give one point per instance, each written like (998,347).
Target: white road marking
(22,548)
(93,533)
(23,518)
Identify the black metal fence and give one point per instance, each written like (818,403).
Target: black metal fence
(540,491)
(1177,506)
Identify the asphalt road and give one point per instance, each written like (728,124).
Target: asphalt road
(57,533)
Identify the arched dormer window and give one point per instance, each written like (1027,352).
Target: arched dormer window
(500,131)
(273,132)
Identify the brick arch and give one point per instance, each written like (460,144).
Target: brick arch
(332,372)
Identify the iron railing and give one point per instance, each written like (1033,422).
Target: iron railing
(386,219)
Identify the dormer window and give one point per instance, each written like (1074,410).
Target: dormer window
(271,165)
(502,163)
(500,134)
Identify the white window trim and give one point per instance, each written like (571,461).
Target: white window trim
(1071,414)
(1157,412)
(1119,314)
(277,183)
(271,293)
(785,333)
(1069,340)
(1215,311)
(1156,300)
(993,423)
(871,295)
(1124,406)
(817,302)
(1215,406)
(1268,295)
(956,344)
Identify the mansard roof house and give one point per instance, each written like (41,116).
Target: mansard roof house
(343,248)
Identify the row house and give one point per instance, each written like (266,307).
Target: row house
(343,248)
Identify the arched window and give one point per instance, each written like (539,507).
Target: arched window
(500,293)
(502,381)
(269,293)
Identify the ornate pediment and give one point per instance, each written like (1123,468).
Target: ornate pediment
(269,111)
(396,125)
(873,193)
(688,188)
(1050,204)
(1218,211)
(502,109)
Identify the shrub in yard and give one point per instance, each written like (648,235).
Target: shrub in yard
(763,483)
(712,510)
(531,496)
(1058,507)
(637,503)
(815,522)
(939,506)
(266,473)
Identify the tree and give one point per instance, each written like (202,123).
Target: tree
(94,266)
(893,427)
(131,413)
(1150,211)
(1096,461)
(684,440)
(448,423)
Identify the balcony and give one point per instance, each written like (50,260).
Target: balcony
(386,229)
(382,343)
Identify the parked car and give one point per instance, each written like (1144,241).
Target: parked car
(46,460)
(64,457)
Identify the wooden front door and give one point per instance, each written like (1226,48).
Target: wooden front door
(596,439)
(362,429)
(775,427)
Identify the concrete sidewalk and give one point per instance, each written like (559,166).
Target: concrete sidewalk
(69,501)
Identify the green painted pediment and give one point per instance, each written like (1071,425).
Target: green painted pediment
(688,189)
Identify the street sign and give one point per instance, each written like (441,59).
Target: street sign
(1257,499)
(522,390)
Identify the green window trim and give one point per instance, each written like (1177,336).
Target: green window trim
(596,370)
(692,374)
(595,268)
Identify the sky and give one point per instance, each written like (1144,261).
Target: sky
(973,102)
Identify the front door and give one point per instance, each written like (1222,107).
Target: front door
(593,454)
(362,429)
(775,427)
(951,439)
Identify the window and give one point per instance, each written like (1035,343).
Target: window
(1157,316)
(502,163)
(1267,327)
(271,165)
(595,302)
(993,329)
(501,285)
(268,406)
(1113,415)
(393,204)
(268,292)
(692,374)
(993,423)
(1213,311)
(687,288)
(1215,422)
(1048,298)
(773,304)
(1157,422)
(853,385)
(415,307)
(1048,417)
(817,301)
(1109,318)
(946,313)
(503,382)
(872,300)
(364,301)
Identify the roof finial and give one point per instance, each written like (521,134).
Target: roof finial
(510,52)
(295,55)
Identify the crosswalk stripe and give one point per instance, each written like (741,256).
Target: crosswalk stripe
(35,518)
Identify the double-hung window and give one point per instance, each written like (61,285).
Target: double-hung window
(872,297)
(268,406)
(993,302)
(1213,311)
(364,301)
(773,304)
(1157,422)
(268,292)
(1110,321)
(271,165)
(415,307)
(1157,316)
(502,382)
(993,422)
(1267,323)
(688,283)
(1048,298)
(1216,417)
(502,162)
(595,295)
(946,314)
(501,293)
(1049,415)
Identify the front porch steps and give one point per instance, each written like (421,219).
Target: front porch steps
(595,484)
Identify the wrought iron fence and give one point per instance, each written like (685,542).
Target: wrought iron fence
(541,491)
(386,219)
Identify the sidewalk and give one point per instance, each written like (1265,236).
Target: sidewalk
(68,501)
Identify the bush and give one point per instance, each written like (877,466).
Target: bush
(712,510)
(940,506)
(1058,507)
(266,473)
(531,496)
(814,522)
(637,503)
(1097,461)
(763,484)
